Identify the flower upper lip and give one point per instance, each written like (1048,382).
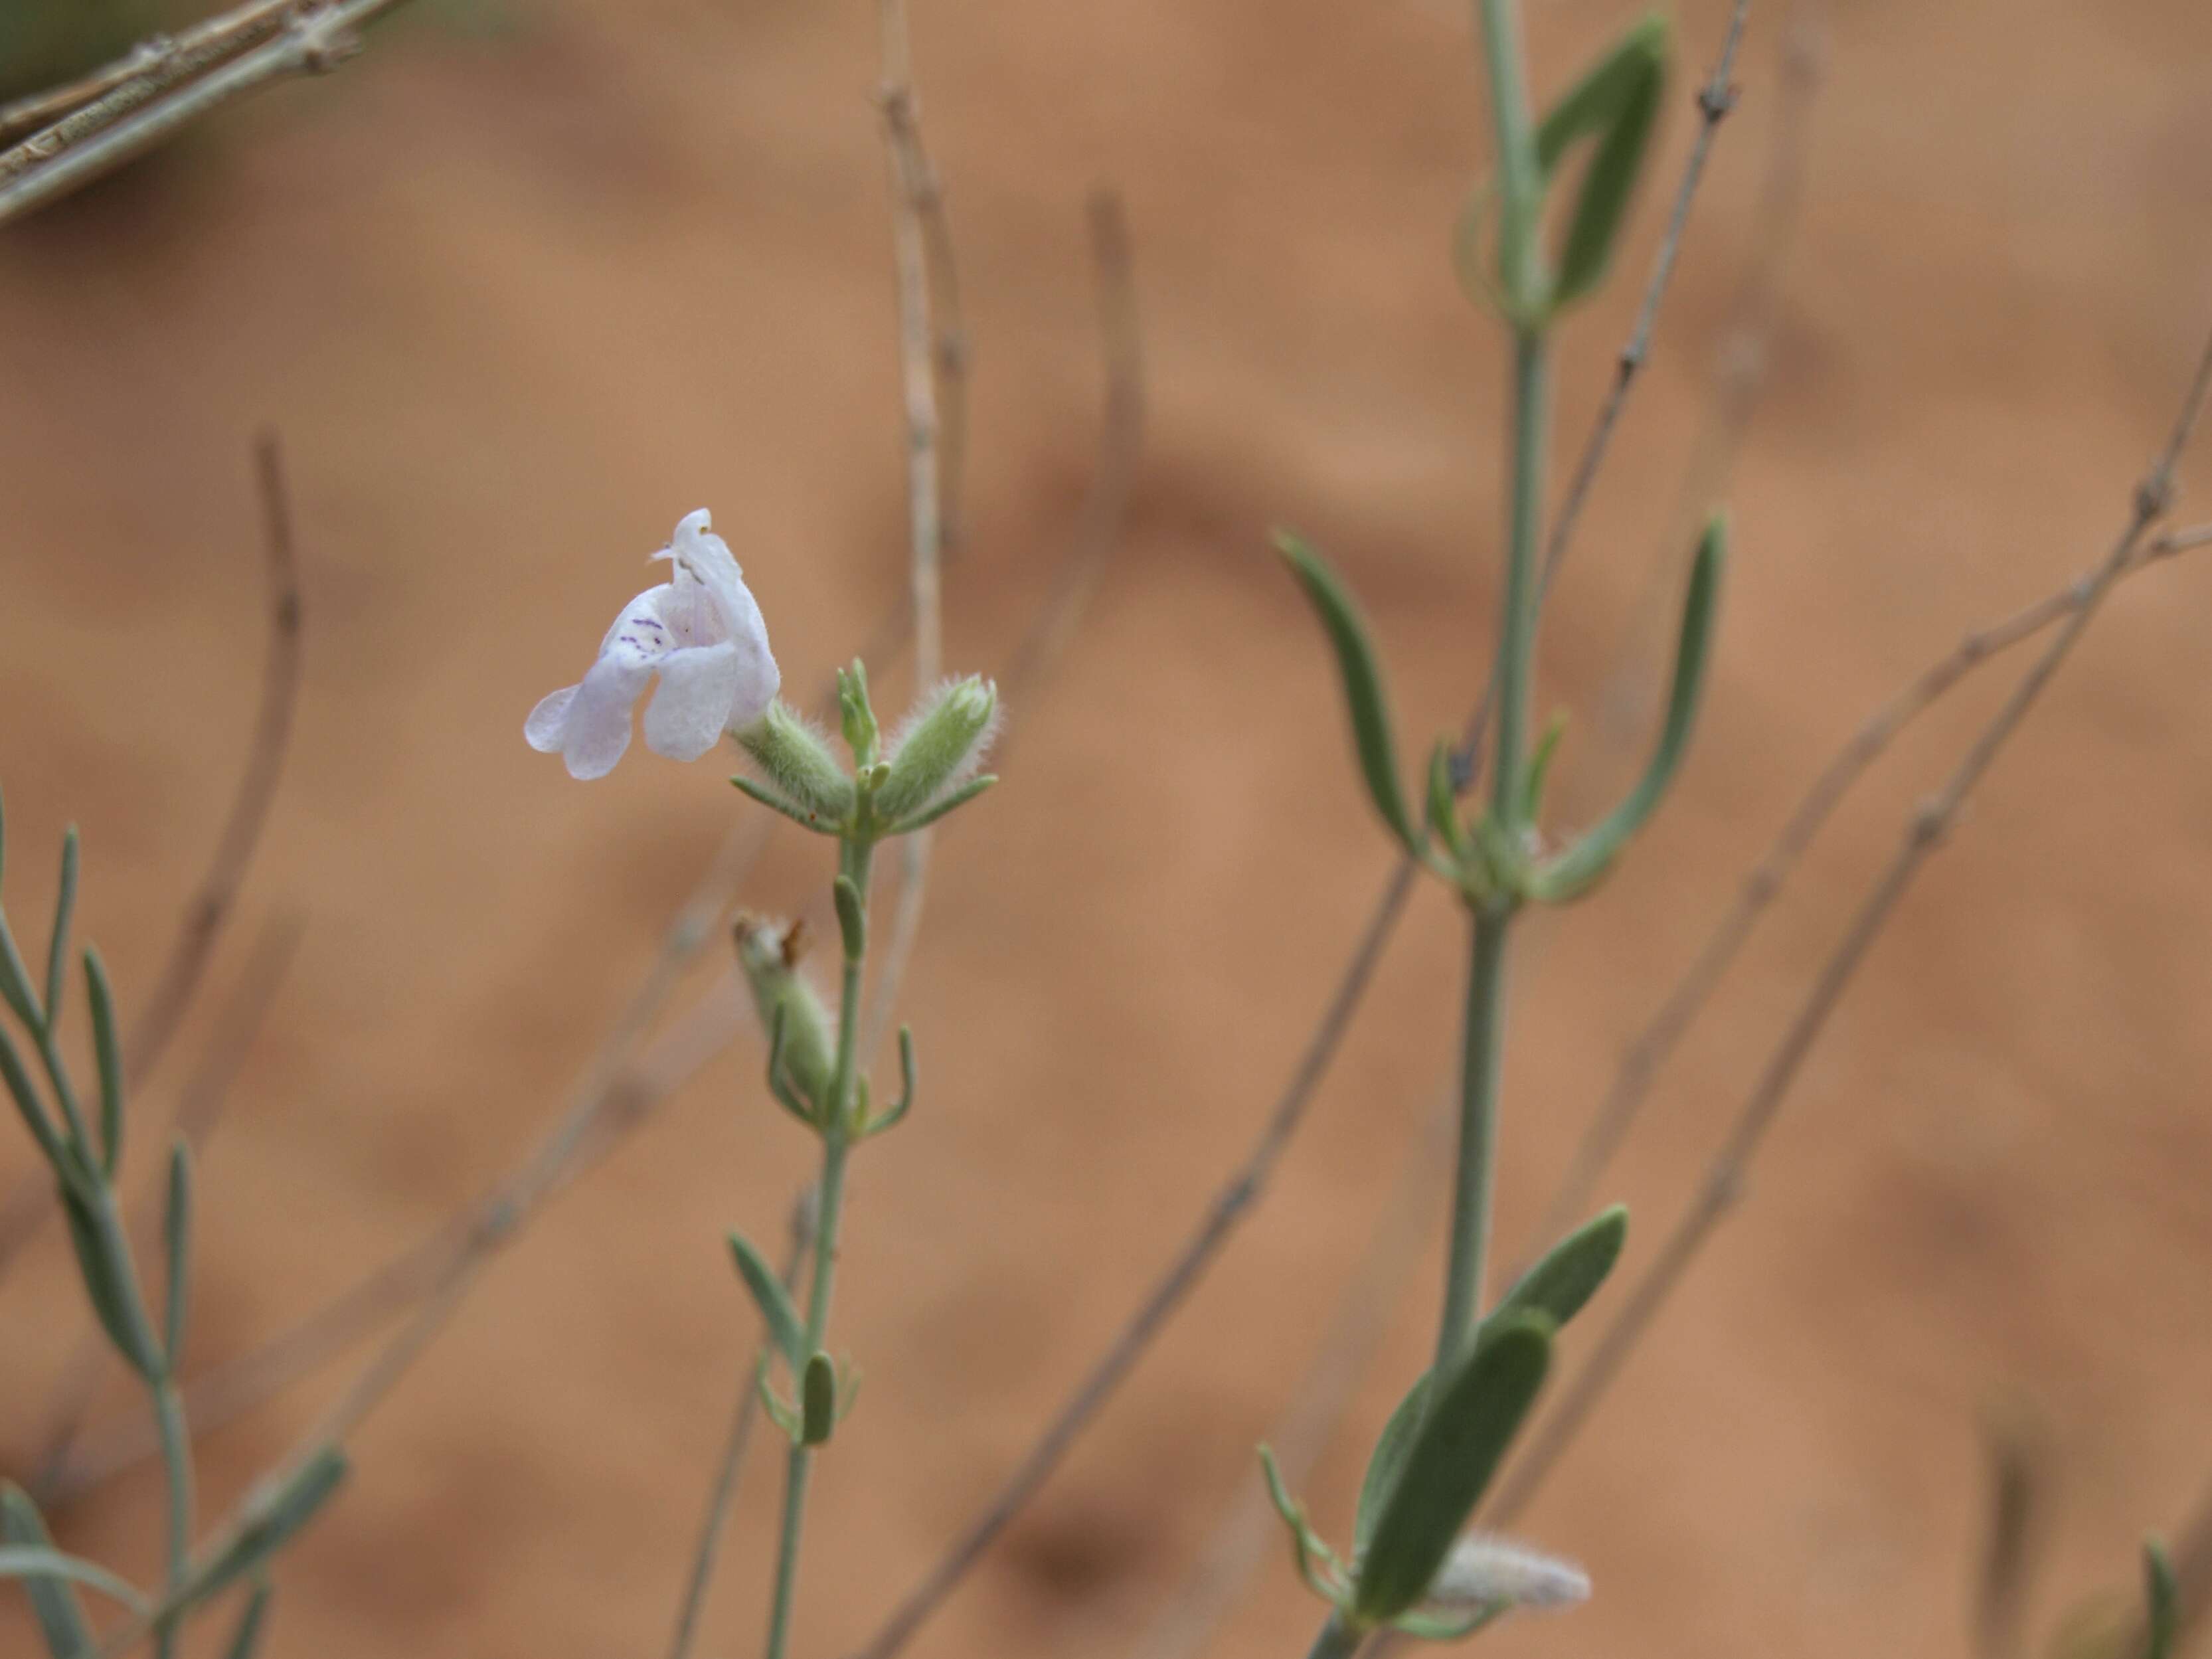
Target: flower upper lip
(701,632)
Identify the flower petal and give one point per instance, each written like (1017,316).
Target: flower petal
(687,714)
(549,721)
(599,716)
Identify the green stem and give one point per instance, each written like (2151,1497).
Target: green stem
(1339,1638)
(853,861)
(177,1465)
(1516,625)
(1519,181)
(1483,1048)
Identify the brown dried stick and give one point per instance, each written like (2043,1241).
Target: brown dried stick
(917,198)
(66,114)
(1723,1181)
(82,147)
(26,1206)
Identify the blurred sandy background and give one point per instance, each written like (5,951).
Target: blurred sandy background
(521,292)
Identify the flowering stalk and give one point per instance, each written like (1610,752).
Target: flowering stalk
(1452,1430)
(929,771)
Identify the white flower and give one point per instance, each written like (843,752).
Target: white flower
(1486,1571)
(702,633)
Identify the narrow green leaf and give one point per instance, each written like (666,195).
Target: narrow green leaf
(1571,1273)
(767,797)
(108,1053)
(109,1284)
(936,810)
(818,1399)
(1309,1552)
(1388,1458)
(1616,104)
(54,1599)
(46,1565)
(245,1640)
(15,981)
(177,1248)
(25,1094)
(773,1300)
(1539,772)
(2162,1602)
(852,918)
(58,945)
(1364,694)
(274,1517)
(1443,804)
(1575,871)
(1461,1439)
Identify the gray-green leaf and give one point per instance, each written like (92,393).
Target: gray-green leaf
(1616,104)
(1460,1441)
(1571,1273)
(818,1399)
(2162,1602)
(273,1518)
(1362,675)
(773,1300)
(53,1599)
(1576,869)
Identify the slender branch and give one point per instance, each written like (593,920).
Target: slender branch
(731,1466)
(28,1204)
(1230,1202)
(1925,831)
(917,199)
(1655,1044)
(66,114)
(309,42)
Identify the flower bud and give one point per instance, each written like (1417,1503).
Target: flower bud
(1486,1570)
(795,758)
(768,953)
(939,747)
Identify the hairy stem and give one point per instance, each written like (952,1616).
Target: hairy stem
(1483,1047)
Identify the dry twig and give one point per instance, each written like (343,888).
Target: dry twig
(1723,1183)
(173,84)
(917,201)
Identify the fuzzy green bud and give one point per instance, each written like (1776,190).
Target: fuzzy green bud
(942,743)
(795,759)
(858,718)
(768,953)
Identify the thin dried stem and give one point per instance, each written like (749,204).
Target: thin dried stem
(917,200)
(116,89)
(1656,1043)
(177,86)
(27,1206)
(1924,832)
(1230,1202)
